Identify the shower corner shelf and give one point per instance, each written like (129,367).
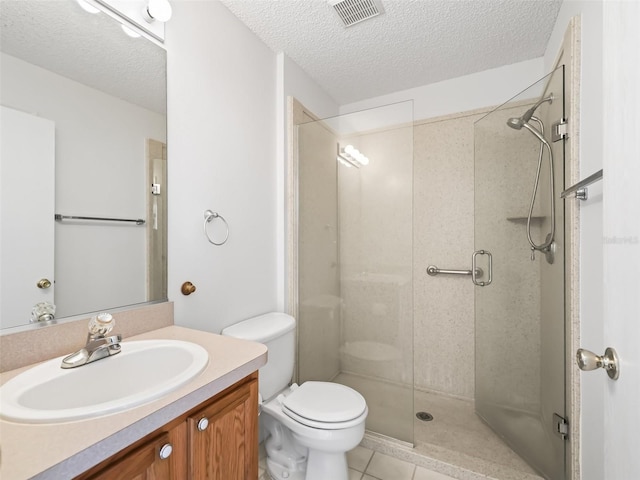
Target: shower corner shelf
(534,218)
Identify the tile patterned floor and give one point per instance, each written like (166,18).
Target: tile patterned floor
(365,464)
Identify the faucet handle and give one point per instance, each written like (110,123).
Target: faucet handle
(101,324)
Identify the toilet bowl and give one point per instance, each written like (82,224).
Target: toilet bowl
(310,427)
(327,419)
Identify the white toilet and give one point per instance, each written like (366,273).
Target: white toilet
(311,426)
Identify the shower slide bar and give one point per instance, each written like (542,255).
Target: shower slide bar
(580,188)
(137,221)
(433,271)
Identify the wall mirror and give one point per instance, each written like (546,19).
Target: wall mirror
(83,121)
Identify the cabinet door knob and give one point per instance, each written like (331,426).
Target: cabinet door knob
(203,423)
(165,451)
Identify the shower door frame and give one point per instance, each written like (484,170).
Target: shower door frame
(295,116)
(569,54)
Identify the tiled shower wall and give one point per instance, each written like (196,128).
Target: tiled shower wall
(442,233)
(443,236)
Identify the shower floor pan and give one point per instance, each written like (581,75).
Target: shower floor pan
(456,442)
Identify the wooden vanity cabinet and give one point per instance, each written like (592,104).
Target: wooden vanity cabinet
(223,437)
(146,461)
(217,440)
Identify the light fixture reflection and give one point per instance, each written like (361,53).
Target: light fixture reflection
(351,156)
(342,161)
(159,10)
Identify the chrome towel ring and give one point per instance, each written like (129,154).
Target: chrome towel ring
(208,218)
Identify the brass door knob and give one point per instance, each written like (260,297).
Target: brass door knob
(188,288)
(43,283)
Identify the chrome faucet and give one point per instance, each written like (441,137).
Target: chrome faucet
(98,344)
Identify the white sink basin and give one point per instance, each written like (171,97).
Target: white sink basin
(143,371)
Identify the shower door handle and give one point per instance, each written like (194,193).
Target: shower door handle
(474,277)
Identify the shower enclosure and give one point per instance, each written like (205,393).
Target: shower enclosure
(520,316)
(489,362)
(355,307)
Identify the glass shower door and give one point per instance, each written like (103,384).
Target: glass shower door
(520,316)
(355,252)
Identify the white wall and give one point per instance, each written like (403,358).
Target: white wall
(296,83)
(100,171)
(478,90)
(292,81)
(221,87)
(591,248)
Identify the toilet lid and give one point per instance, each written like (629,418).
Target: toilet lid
(325,402)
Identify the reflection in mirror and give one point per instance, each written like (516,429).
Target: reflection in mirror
(83,121)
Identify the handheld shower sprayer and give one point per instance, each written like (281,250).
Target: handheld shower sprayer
(517,123)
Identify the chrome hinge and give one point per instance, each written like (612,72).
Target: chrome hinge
(560,130)
(561,426)
(155,189)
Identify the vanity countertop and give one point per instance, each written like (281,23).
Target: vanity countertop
(64,450)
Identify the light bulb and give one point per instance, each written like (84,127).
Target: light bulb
(159,10)
(349,149)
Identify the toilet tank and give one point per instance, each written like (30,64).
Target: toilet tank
(277,332)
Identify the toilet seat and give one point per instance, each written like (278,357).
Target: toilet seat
(324,405)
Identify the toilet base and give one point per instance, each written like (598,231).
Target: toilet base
(286,460)
(320,466)
(325,465)
(279,472)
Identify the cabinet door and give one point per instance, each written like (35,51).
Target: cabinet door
(223,437)
(153,460)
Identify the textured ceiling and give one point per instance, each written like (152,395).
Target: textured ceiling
(415,42)
(89,48)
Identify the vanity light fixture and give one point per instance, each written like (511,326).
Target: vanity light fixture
(351,156)
(87,7)
(159,10)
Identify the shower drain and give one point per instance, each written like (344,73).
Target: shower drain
(424,416)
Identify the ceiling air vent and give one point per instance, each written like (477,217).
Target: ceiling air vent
(356,11)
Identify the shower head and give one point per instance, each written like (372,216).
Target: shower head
(518,122)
